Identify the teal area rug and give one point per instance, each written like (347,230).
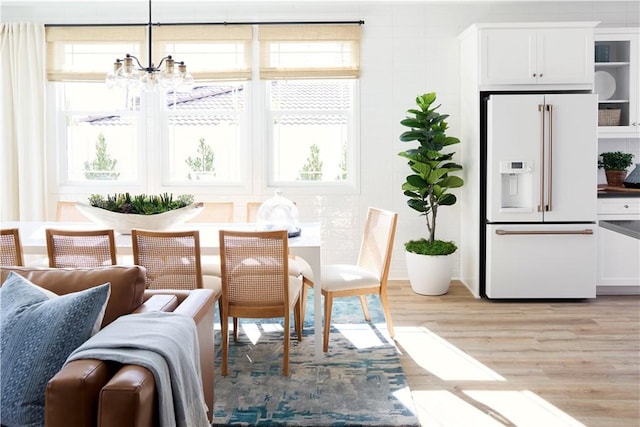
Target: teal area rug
(358,382)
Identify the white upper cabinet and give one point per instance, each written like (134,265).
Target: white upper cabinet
(536,55)
(617,57)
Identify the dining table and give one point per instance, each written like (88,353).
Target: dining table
(307,246)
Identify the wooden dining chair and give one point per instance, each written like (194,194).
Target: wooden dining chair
(80,248)
(256,284)
(298,267)
(214,212)
(368,276)
(10,247)
(68,212)
(252,211)
(172,260)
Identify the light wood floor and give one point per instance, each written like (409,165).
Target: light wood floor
(473,362)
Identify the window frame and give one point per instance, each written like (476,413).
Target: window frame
(256,151)
(348,186)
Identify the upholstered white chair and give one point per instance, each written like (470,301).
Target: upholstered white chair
(368,276)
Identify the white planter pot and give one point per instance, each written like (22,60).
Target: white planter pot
(429,274)
(123,223)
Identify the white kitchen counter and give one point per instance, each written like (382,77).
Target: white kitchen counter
(629,228)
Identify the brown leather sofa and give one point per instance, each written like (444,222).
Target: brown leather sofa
(92,392)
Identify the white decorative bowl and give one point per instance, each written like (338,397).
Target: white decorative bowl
(124,223)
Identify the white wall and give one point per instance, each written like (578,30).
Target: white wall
(408,48)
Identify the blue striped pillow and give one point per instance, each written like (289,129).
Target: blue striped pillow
(38,331)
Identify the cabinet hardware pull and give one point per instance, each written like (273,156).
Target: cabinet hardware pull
(541,232)
(541,168)
(550,180)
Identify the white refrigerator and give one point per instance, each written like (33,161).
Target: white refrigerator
(541,196)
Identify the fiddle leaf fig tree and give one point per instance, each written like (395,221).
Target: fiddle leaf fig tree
(427,187)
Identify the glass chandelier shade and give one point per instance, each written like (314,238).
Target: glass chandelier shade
(129,74)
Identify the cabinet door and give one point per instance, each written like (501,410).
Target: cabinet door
(564,55)
(617,261)
(619,65)
(508,56)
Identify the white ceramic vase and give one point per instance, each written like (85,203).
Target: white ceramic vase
(124,223)
(429,274)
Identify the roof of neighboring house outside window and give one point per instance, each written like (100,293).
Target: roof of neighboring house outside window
(305,97)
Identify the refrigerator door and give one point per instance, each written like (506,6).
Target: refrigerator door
(541,158)
(541,261)
(514,170)
(571,167)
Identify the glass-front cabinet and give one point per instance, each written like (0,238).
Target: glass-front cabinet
(616,81)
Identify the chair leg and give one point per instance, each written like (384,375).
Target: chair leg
(285,357)
(235,329)
(365,308)
(328,303)
(224,325)
(305,282)
(220,308)
(297,316)
(387,313)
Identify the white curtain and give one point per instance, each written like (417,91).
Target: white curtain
(22,122)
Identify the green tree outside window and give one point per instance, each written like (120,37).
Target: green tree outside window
(203,162)
(103,166)
(342,175)
(312,169)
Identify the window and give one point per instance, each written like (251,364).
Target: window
(311,128)
(202,139)
(205,128)
(311,73)
(100,139)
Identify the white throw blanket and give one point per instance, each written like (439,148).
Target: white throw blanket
(167,345)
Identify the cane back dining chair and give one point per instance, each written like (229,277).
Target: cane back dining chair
(172,260)
(256,284)
(80,248)
(10,247)
(368,276)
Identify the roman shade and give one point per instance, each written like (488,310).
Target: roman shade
(316,51)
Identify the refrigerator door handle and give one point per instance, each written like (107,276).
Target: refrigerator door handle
(541,232)
(541,167)
(550,169)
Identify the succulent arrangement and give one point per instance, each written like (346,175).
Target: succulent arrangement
(141,204)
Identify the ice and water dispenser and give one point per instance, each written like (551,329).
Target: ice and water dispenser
(516,182)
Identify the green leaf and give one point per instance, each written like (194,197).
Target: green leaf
(447,199)
(416,181)
(452,181)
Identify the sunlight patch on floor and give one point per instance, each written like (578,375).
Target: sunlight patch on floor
(360,335)
(404,396)
(524,408)
(441,358)
(442,408)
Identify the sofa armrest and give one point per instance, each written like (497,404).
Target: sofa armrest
(72,394)
(200,305)
(129,399)
(158,303)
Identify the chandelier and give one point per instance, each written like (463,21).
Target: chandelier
(129,73)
